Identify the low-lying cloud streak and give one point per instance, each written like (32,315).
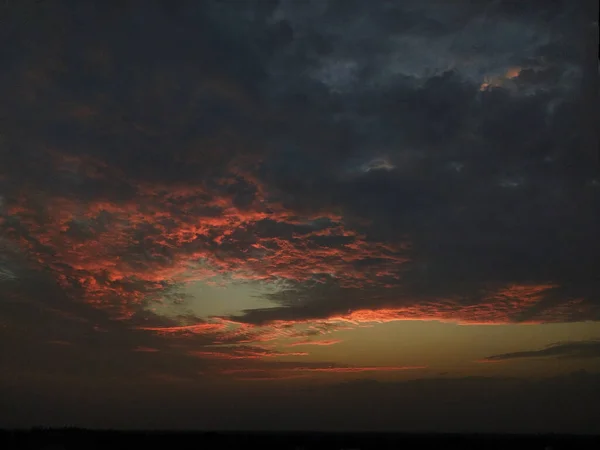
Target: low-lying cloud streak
(580,349)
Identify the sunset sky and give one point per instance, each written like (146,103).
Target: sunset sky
(300,214)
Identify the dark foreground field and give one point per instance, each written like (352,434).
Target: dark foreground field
(87,439)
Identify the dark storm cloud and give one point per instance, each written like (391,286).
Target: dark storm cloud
(47,335)
(373,161)
(580,349)
(428,159)
(494,185)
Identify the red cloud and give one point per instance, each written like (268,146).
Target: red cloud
(201,328)
(118,254)
(319,343)
(244,353)
(497,307)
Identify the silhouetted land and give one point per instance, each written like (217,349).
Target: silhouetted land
(89,439)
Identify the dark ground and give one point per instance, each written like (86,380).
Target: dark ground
(87,439)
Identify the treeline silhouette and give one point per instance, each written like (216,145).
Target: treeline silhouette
(72,437)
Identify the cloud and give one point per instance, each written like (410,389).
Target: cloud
(244,352)
(330,369)
(325,342)
(576,349)
(341,156)
(290,371)
(331,304)
(200,328)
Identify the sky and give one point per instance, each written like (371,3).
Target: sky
(300,215)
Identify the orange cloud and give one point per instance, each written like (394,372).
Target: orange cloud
(497,307)
(504,305)
(201,328)
(319,343)
(500,80)
(119,255)
(244,353)
(95,248)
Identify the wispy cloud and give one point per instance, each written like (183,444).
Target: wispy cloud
(576,349)
(295,369)
(325,342)
(244,352)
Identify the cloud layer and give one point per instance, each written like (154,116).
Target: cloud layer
(580,349)
(364,161)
